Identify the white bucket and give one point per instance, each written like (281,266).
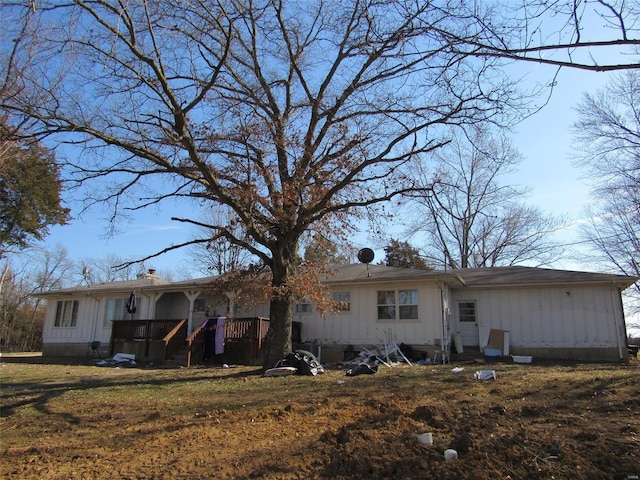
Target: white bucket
(450,455)
(425,438)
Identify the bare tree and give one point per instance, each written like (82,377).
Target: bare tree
(608,139)
(110,268)
(591,35)
(469,218)
(218,256)
(290,114)
(21,311)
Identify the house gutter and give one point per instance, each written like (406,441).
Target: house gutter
(444,341)
(97,315)
(617,327)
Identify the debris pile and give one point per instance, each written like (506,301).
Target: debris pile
(118,360)
(299,362)
(388,354)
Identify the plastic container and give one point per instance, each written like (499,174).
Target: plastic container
(450,455)
(485,375)
(521,358)
(425,438)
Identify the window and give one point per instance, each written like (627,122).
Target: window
(115,309)
(386,305)
(397,305)
(303,307)
(467,311)
(66,313)
(344,301)
(199,305)
(408,301)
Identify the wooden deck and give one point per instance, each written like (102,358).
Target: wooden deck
(158,340)
(243,337)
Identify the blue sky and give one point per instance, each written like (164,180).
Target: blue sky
(544,139)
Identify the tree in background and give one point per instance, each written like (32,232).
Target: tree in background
(111,268)
(323,251)
(218,256)
(402,254)
(291,114)
(608,136)
(29,191)
(21,311)
(469,218)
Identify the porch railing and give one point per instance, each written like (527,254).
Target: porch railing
(193,342)
(148,331)
(174,340)
(253,330)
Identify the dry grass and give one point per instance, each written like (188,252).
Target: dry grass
(60,421)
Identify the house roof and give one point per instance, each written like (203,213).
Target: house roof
(125,286)
(522,276)
(363,274)
(477,277)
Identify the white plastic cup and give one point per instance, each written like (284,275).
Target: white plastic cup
(425,438)
(450,455)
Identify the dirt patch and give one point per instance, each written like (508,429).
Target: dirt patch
(533,421)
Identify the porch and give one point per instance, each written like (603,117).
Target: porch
(243,340)
(164,340)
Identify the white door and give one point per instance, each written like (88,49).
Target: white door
(468,323)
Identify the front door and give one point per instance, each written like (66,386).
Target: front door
(468,323)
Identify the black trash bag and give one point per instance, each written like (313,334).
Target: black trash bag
(305,363)
(363,369)
(308,358)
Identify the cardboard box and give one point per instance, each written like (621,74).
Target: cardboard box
(499,340)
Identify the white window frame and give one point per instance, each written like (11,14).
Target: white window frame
(466,318)
(344,298)
(400,304)
(66,313)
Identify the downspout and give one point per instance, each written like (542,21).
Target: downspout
(622,352)
(96,316)
(444,342)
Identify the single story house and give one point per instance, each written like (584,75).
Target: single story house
(544,313)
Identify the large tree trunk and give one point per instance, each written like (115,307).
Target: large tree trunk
(278,340)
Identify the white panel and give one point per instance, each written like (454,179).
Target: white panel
(548,317)
(79,333)
(360,326)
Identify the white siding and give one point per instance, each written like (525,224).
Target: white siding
(172,306)
(550,317)
(86,329)
(90,324)
(360,325)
